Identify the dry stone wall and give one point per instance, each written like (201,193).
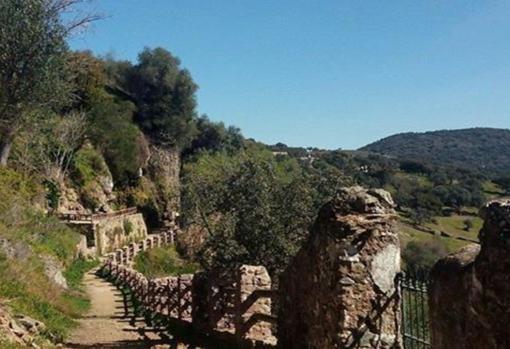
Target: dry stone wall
(470,290)
(339,291)
(115,232)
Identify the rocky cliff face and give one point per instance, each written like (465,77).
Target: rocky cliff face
(339,291)
(470,290)
(90,186)
(163,170)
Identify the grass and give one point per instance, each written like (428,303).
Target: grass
(163,261)
(24,287)
(408,233)
(454,225)
(8,345)
(492,189)
(45,235)
(74,274)
(29,292)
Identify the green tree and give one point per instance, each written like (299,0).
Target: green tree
(421,256)
(214,136)
(468,224)
(256,208)
(33,72)
(32,46)
(165,97)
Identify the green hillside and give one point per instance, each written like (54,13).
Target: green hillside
(480,149)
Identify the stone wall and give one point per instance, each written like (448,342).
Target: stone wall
(339,290)
(470,290)
(114,232)
(253,305)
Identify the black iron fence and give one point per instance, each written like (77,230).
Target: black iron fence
(415,311)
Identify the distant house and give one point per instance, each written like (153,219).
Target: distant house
(281,153)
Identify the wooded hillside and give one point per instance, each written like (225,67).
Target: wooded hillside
(480,149)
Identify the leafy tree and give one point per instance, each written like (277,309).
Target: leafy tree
(32,46)
(421,256)
(468,224)
(410,166)
(110,123)
(214,136)
(89,79)
(32,61)
(256,209)
(165,97)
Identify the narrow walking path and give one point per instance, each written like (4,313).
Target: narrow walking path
(110,322)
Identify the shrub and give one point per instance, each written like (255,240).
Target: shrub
(88,165)
(421,256)
(128,226)
(163,261)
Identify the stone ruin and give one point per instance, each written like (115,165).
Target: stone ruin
(339,291)
(469,294)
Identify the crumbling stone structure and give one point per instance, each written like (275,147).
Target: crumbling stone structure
(339,291)
(469,294)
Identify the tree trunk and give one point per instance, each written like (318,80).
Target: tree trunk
(5,150)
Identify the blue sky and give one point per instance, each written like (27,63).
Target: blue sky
(330,73)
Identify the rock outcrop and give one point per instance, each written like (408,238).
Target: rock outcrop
(54,271)
(163,170)
(21,251)
(21,330)
(469,294)
(339,290)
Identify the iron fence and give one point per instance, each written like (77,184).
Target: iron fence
(415,311)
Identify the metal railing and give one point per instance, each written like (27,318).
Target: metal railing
(415,310)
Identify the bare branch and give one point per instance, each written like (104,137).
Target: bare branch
(81,19)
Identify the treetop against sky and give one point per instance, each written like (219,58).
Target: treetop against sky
(329,73)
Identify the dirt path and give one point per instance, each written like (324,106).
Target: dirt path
(110,322)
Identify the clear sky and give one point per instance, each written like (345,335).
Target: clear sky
(327,73)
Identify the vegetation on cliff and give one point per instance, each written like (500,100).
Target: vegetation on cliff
(31,242)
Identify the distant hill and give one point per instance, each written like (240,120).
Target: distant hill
(483,149)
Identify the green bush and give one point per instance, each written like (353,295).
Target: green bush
(163,261)
(87,166)
(421,256)
(128,226)
(118,138)
(31,293)
(15,188)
